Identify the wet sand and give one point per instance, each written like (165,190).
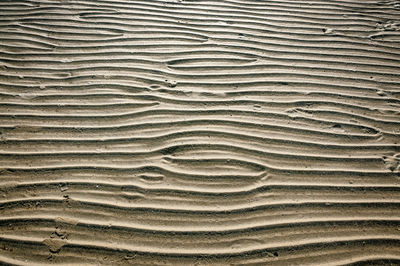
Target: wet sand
(199,132)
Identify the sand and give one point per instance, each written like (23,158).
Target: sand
(212,132)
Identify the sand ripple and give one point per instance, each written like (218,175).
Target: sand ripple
(199,132)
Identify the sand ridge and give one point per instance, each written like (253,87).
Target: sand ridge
(199,132)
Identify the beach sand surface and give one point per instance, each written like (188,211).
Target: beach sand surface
(229,132)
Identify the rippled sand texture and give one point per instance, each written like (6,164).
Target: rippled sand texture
(199,132)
